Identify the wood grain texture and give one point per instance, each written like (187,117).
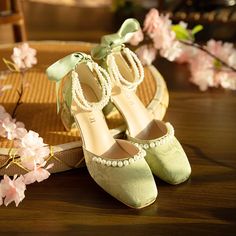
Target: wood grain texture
(71,203)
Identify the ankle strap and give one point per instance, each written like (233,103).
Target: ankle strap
(136,67)
(103,80)
(57,71)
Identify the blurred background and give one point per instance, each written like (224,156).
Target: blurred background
(88,20)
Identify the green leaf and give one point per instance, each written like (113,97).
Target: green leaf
(196,29)
(217,64)
(181,32)
(10,65)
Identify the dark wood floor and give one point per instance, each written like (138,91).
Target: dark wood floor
(71,203)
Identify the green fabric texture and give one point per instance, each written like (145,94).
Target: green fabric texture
(133,184)
(168,160)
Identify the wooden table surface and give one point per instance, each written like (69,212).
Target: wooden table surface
(71,203)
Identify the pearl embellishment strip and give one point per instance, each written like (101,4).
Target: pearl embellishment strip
(120,163)
(162,140)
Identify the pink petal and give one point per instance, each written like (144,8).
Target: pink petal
(49,166)
(27,161)
(42,152)
(41,174)
(151,21)
(20,133)
(24,56)
(20,124)
(30,177)
(11,196)
(16,52)
(38,175)
(4,116)
(13,190)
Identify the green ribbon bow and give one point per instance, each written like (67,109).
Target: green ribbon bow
(111,41)
(58,70)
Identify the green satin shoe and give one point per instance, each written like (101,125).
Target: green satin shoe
(117,166)
(127,179)
(165,155)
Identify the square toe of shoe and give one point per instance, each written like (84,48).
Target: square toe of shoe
(169,163)
(176,174)
(133,185)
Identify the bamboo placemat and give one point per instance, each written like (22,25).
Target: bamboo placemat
(38,111)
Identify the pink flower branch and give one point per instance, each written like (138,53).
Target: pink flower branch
(212,65)
(202,48)
(20,94)
(23,58)
(31,154)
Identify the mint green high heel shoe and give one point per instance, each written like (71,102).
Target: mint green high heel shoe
(117,166)
(165,155)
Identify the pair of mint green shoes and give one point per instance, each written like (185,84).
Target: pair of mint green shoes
(123,168)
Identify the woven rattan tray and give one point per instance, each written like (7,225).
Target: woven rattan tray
(38,110)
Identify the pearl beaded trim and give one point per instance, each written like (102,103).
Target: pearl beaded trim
(136,66)
(160,141)
(120,163)
(103,81)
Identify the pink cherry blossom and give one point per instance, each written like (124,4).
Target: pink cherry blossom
(206,71)
(24,56)
(32,150)
(219,49)
(232,59)
(226,79)
(204,74)
(7,128)
(20,132)
(13,190)
(151,21)
(12,130)
(136,38)
(38,174)
(202,71)
(158,27)
(172,51)
(187,54)
(3,116)
(146,54)
(203,79)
